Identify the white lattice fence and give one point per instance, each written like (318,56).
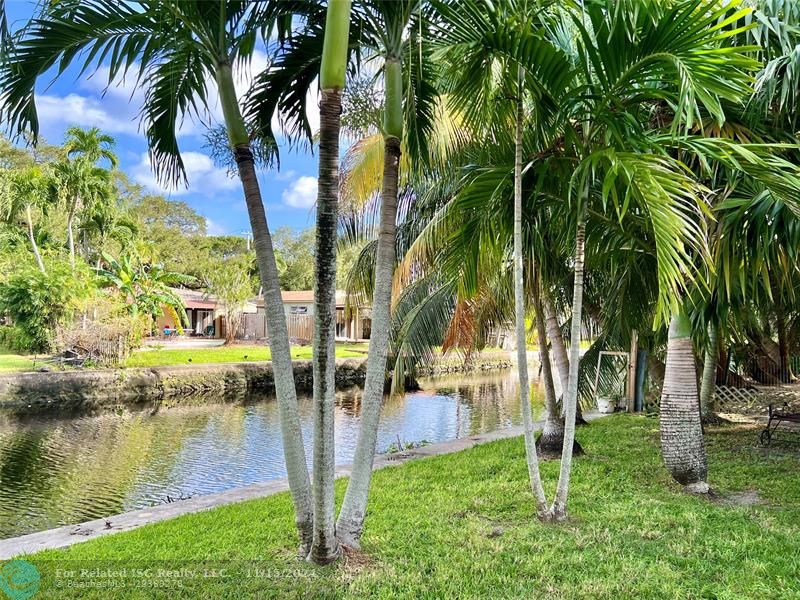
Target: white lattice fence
(738,398)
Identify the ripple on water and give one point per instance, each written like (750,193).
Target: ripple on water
(61,469)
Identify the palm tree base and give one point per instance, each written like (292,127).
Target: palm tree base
(699,487)
(550,445)
(324,556)
(348,541)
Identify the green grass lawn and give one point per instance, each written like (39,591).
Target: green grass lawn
(224,354)
(11,362)
(463,526)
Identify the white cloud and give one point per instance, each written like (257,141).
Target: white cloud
(285,175)
(302,193)
(115,108)
(204,177)
(214,228)
(123,87)
(58,113)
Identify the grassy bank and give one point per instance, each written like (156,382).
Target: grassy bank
(224,354)
(462,526)
(11,362)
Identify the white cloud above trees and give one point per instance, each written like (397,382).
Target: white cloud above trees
(302,193)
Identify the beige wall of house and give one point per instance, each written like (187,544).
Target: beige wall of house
(298,306)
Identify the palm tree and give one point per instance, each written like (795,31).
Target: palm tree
(174,48)
(21,192)
(681,432)
(85,147)
(385,31)
(91,145)
(80,185)
(325,546)
(388,21)
(104,223)
(478,92)
(623,64)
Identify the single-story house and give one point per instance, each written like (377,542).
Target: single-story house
(205,314)
(352,322)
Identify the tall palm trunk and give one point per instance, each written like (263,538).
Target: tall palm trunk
(350,524)
(785,373)
(519,315)
(32,238)
(291,433)
(560,355)
(325,546)
(681,430)
(559,508)
(552,438)
(70,238)
(709,374)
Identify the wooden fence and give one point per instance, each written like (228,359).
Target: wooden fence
(301,328)
(254,327)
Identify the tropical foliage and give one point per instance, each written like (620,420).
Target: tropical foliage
(147,289)
(607,166)
(38,302)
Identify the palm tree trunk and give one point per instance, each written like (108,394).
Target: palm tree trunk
(70,239)
(560,355)
(785,375)
(32,238)
(519,316)
(291,433)
(325,546)
(350,524)
(709,374)
(559,508)
(552,438)
(681,430)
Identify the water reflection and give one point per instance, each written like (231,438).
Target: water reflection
(59,469)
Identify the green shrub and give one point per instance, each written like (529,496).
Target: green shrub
(38,302)
(9,338)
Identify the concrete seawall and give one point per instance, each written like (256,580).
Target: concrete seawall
(106,388)
(97,388)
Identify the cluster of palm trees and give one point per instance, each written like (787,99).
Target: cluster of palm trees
(578,161)
(77,183)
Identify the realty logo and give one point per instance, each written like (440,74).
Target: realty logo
(19,579)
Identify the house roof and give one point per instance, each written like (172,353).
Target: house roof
(196,298)
(305,297)
(202,299)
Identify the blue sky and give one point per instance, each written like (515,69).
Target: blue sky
(288,194)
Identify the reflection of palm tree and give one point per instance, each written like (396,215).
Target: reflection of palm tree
(21,461)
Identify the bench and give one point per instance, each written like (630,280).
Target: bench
(776,419)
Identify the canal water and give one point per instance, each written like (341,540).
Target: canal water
(60,469)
